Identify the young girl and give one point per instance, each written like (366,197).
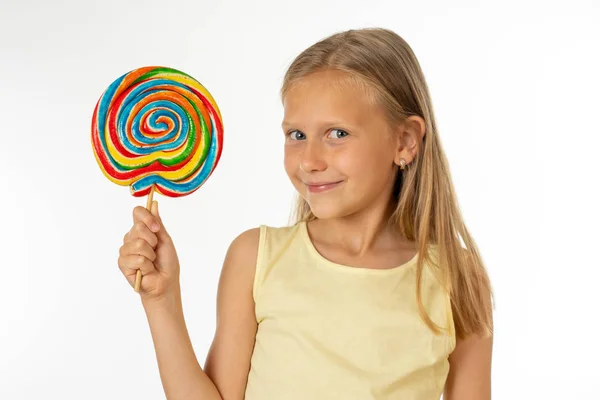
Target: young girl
(377,291)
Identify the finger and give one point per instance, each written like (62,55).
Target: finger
(130,264)
(140,230)
(162,232)
(143,215)
(138,247)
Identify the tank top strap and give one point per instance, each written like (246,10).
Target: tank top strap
(273,242)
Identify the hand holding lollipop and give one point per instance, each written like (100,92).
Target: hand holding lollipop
(149,250)
(156,129)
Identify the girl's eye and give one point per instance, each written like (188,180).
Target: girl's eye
(296,135)
(338,133)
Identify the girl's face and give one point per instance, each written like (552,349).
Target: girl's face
(339,151)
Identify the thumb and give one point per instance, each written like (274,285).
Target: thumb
(162,232)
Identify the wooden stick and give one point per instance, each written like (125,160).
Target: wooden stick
(138,275)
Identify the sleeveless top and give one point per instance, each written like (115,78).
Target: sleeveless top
(329,331)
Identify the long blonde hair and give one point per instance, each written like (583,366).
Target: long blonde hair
(427,210)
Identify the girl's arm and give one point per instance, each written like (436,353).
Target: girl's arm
(228,360)
(181,375)
(470,370)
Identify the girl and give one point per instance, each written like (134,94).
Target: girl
(370,294)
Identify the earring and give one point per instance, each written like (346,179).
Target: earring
(402,163)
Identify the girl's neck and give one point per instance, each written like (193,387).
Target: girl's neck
(359,233)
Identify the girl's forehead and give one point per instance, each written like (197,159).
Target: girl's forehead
(327,97)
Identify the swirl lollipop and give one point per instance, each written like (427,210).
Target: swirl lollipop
(157,129)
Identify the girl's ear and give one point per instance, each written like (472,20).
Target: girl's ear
(409,136)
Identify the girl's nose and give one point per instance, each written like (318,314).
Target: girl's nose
(312,158)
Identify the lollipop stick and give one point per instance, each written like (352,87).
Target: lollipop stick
(138,275)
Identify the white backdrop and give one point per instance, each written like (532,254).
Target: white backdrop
(515,89)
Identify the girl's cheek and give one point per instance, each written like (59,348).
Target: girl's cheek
(290,162)
(347,160)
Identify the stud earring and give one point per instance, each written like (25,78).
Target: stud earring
(402,163)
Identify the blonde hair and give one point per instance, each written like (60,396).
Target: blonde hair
(427,210)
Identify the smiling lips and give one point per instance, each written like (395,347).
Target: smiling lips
(318,187)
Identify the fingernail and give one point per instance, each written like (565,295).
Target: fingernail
(155,227)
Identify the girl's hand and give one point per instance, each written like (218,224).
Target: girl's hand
(148,247)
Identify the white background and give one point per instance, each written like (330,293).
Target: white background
(515,87)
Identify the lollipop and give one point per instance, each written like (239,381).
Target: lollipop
(157,129)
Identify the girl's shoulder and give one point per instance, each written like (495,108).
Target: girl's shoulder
(274,236)
(281,229)
(249,241)
(253,243)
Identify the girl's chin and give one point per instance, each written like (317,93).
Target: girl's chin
(327,210)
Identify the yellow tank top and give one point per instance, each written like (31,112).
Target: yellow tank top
(329,331)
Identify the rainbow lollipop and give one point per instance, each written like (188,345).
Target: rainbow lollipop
(157,129)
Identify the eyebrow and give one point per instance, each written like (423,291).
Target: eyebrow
(288,124)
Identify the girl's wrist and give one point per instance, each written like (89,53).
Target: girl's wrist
(170,300)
